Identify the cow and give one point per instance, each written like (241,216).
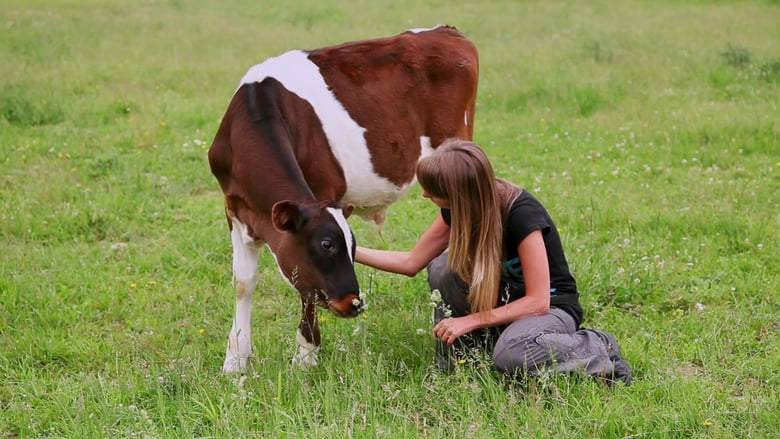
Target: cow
(310,137)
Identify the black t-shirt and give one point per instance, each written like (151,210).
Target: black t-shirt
(526,215)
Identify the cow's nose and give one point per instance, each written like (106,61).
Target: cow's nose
(347,306)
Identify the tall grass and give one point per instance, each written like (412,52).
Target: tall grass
(649,129)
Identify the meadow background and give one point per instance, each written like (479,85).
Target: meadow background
(650,129)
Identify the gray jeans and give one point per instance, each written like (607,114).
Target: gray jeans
(528,345)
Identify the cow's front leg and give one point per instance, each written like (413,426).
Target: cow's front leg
(245,253)
(308,336)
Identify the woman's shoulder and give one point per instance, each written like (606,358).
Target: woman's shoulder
(524,198)
(526,204)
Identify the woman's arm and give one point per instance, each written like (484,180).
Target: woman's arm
(431,244)
(536,273)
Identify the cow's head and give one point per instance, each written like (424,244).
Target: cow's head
(316,254)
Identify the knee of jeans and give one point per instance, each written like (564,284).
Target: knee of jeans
(510,355)
(437,271)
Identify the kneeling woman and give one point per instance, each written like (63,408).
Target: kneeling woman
(495,256)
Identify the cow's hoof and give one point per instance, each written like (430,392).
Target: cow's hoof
(305,361)
(234,365)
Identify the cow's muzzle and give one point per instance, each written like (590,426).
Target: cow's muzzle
(348,306)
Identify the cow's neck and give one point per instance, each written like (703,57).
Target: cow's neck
(282,177)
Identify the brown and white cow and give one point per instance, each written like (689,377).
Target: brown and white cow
(310,135)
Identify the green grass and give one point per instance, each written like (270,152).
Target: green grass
(650,130)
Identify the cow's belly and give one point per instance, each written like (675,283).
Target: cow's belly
(370,200)
(370,192)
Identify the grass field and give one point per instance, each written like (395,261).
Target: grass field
(650,129)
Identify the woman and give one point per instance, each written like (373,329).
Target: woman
(495,257)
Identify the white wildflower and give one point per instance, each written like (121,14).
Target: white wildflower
(435,297)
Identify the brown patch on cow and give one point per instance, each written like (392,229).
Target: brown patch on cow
(320,168)
(403,87)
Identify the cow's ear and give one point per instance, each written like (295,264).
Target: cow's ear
(287,216)
(347,209)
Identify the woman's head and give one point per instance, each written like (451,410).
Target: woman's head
(459,172)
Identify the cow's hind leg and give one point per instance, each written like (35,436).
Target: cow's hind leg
(245,253)
(308,336)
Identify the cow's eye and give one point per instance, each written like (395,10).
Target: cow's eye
(327,245)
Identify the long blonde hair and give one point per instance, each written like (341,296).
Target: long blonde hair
(460,172)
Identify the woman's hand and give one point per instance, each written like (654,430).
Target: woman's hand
(449,329)
(536,271)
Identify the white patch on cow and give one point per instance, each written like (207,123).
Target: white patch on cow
(338,215)
(425,146)
(245,254)
(365,188)
(307,353)
(466,118)
(417,30)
